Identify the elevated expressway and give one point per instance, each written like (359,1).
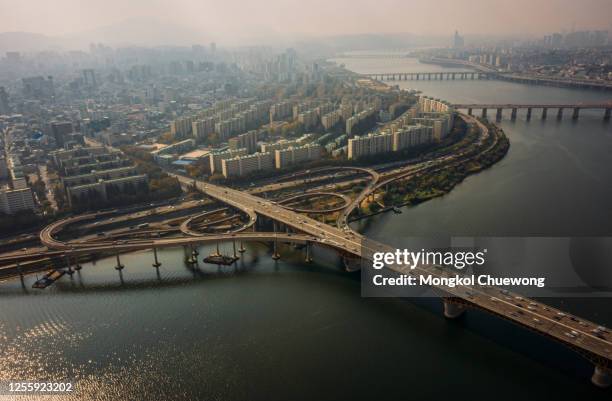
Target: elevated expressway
(539,317)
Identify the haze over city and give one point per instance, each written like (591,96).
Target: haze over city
(306,200)
(237,22)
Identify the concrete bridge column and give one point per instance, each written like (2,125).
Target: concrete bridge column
(453,75)
(191,256)
(513,115)
(544,113)
(308,256)
(576,113)
(601,377)
(234,246)
(275,254)
(417,77)
(498,115)
(242,248)
(452,310)
(607,114)
(68,265)
(472,76)
(484,113)
(560,113)
(156,263)
(77,265)
(528,113)
(429,77)
(469,111)
(119,265)
(441,76)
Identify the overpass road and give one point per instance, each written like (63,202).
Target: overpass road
(587,338)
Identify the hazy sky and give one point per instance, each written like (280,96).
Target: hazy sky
(241,18)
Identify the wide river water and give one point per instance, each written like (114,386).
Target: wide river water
(265,330)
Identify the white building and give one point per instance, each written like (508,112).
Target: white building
(244,165)
(16,200)
(295,155)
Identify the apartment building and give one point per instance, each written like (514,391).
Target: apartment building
(248,164)
(216,159)
(294,155)
(16,200)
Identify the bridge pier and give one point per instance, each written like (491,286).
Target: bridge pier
(528,113)
(601,377)
(77,265)
(308,256)
(156,263)
(453,75)
(241,249)
(429,77)
(560,113)
(275,254)
(234,247)
(119,266)
(453,310)
(68,265)
(513,115)
(193,255)
(607,114)
(544,113)
(469,111)
(417,77)
(484,113)
(498,115)
(576,113)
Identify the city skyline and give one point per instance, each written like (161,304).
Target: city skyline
(246,23)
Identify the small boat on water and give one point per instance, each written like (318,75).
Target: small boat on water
(220,259)
(48,279)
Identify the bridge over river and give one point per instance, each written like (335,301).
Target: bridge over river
(606,107)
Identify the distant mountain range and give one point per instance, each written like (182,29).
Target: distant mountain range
(122,34)
(139,32)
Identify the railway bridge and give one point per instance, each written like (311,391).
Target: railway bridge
(606,107)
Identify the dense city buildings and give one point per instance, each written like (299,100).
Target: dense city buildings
(94,174)
(429,121)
